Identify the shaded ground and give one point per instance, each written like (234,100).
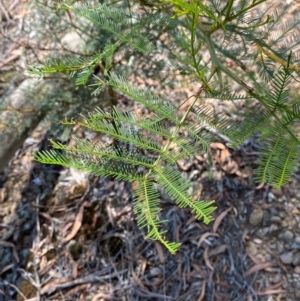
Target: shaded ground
(69,236)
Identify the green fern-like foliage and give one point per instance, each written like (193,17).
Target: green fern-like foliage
(126,160)
(145,150)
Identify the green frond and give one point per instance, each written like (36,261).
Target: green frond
(51,157)
(112,152)
(278,158)
(254,123)
(123,133)
(84,75)
(106,55)
(152,125)
(278,14)
(201,137)
(66,64)
(178,188)
(294,113)
(111,20)
(128,134)
(158,20)
(83,67)
(89,163)
(279,95)
(193,7)
(217,6)
(117,14)
(212,122)
(143,96)
(186,147)
(283,29)
(226,95)
(265,67)
(147,209)
(237,53)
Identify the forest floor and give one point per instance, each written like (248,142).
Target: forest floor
(66,235)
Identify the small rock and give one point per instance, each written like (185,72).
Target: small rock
(155,271)
(297,270)
(268,257)
(280,247)
(217,175)
(296,259)
(277,278)
(275,219)
(194,175)
(273,211)
(286,257)
(73,41)
(288,235)
(273,228)
(184,165)
(297,239)
(287,247)
(252,248)
(295,246)
(262,232)
(292,223)
(256,216)
(271,197)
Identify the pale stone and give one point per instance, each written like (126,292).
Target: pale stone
(296,259)
(286,257)
(256,217)
(288,235)
(252,248)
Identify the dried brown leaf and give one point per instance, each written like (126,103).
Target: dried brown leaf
(77,289)
(206,260)
(275,286)
(198,270)
(254,259)
(258,267)
(203,237)
(47,288)
(99,297)
(136,278)
(229,166)
(77,223)
(270,292)
(179,267)
(160,252)
(202,294)
(6,268)
(219,219)
(49,265)
(218,250)
(217,145)
(48,217)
